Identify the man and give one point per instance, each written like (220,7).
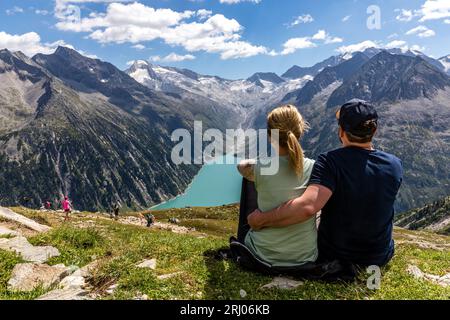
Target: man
(116,209)
(150,218)
(355,187)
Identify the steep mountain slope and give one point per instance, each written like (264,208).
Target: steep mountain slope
(92,75)
(326,77)
(23,87)
(296,72)
(72,142)
(445,61)
(435,217)
(260,77)
(408,78)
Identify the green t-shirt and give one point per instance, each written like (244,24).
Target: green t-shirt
(287,246)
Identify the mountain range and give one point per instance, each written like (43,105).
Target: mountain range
(80,126)
(434,216)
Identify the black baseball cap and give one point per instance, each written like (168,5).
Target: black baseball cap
(353,114)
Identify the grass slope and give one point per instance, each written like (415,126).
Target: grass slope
(120,247)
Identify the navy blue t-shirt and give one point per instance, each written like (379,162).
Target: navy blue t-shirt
(356,223)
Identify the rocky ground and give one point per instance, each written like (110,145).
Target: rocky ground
(93,256)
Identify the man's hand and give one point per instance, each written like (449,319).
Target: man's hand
(294,211)
(255,220)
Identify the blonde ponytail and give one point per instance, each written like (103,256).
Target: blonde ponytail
(291,126)
(295,154)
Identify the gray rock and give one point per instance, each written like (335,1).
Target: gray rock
(4,231)
(282,283)
(28,276)
(443,281)
(66,294)
(151,264)
(73,281)
(11,215)
(27,251)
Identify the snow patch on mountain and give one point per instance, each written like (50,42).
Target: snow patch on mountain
(240,95)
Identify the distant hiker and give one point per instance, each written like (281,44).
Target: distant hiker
(150,218)
(174,220)
(355,187)
(48,205)
(116,208)
(67,207)
(288,245)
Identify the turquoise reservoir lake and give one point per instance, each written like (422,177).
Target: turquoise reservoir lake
(214,185)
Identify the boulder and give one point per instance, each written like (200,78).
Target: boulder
(282,283)
(443,281)
(28,276)
(12,216)
(73,281)
(4,231)
(66,294)
(27,251)
(151,264)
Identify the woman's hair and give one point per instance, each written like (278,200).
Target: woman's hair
(291,126)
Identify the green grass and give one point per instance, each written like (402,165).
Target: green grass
(120,247)
(7,262)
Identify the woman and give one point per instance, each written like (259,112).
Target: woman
(297,244)
(67,207)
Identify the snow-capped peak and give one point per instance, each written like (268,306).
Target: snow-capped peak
(141,63)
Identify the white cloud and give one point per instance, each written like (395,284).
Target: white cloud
(358,47)
(295,44)
(396,44)
(305,18)
(238,1)
(430,10)
(14,10)
(41,12)
(138,46)
(135,23)
(30,44)
(204,14)
(447,21)
(434,10)
(422,32)
(172,57)
(405,15)
(346,18)
(323,35)
(392,36)
(320,35)
(417,48)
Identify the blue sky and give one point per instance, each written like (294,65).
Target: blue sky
(232,40)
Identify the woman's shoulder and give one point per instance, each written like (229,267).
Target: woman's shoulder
(307,162)
(308,165)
